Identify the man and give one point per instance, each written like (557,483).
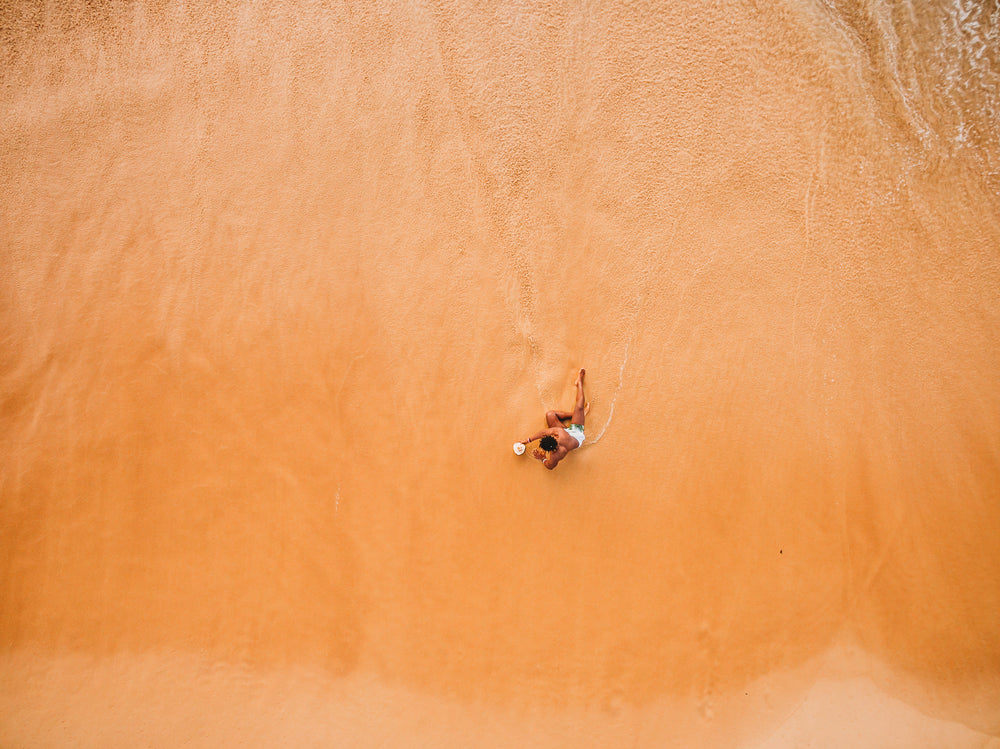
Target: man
(558,440)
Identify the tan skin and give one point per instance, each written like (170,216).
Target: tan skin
(557,421)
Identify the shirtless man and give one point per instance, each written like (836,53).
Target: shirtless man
(558,440)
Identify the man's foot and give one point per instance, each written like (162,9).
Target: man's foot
(579,377)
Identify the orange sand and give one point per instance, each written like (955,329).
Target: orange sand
(281,283)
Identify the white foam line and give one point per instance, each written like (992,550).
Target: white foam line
(614,398)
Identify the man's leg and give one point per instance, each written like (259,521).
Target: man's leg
(579,412)
(580,408)
(556,418)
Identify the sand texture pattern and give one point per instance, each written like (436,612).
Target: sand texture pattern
(280,283)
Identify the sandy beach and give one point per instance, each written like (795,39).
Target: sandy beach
(281,283)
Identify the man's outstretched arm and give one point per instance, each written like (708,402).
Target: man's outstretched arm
(537,436)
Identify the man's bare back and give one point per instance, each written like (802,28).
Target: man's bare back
(557,440)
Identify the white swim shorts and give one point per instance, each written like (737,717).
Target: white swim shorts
(576,431)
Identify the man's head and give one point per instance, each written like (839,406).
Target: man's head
(548,443)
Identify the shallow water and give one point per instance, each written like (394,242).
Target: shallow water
(281,285)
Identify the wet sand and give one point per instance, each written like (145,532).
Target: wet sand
(280,286)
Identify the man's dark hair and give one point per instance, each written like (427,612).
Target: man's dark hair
(548,443)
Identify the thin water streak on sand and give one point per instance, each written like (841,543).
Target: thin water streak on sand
(614,398)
